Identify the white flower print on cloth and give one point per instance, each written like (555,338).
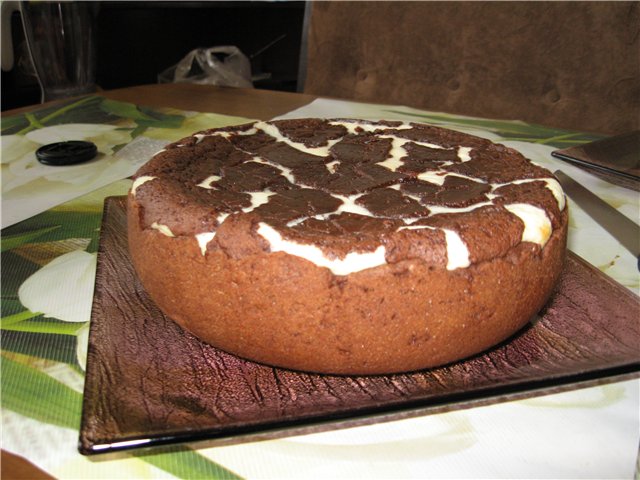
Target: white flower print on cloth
(63,288)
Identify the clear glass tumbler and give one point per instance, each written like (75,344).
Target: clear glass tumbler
(61,40)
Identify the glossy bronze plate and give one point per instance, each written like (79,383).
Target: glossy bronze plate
(615,159)
(148,382)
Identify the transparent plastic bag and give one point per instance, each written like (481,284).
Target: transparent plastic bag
(224,66)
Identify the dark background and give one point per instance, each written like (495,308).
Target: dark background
(138,40)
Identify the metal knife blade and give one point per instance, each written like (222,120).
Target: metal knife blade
(620,227)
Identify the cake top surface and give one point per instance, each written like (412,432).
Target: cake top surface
(351,194)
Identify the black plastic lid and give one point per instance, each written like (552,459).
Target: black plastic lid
(66,153)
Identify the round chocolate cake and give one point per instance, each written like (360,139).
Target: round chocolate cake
(346,246)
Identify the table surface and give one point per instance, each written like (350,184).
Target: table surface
(243,102)
(251,103)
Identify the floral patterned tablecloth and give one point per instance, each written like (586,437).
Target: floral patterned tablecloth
(51,219)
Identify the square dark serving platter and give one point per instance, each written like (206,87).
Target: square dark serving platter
(148,382)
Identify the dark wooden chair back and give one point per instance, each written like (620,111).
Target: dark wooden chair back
(573,65)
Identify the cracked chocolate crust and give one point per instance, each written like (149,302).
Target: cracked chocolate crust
(347,186)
